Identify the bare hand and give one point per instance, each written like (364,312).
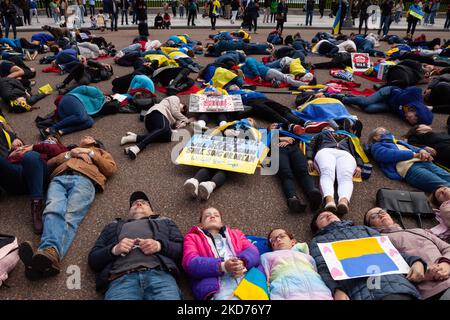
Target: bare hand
(85,158)
(180,125)
(149,246)
(417,272)
(431,151)
(123,247)
(340,295)
(438,272)
(310,165)
(357,173)
(235,267)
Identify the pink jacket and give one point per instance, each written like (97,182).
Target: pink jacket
(202,264)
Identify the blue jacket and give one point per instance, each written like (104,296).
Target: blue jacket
(141,81)
(236,57)
(357,288)
(253,68)
(387,154)
(248,95)
(411,97)
(165,231)
(91,97)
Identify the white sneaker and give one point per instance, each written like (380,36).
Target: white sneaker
(132,152)
(205,189)
(129,138)
(191,187)
(199,125)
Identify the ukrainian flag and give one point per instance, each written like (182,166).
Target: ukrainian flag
(337,21)
(356,256)
(253,286)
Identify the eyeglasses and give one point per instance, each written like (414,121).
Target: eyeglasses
(377,214)
(278,237)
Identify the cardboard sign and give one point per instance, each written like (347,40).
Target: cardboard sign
(360,62)
(365,257)
(225,153)
(383,69)
(211,103)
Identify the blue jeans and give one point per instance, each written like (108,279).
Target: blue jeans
(397,16)
(309,16)
(384,23)
(426,19)
(153,284)
(68,200)
(274,64)
(427,176)
(28,177)
(375,103)
(73,115)
(432,16)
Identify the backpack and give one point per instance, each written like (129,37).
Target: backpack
(399,202)
(9,256)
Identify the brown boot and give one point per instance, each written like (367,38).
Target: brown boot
(47,262)
(37,207)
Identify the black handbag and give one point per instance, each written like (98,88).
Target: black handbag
(19,21)
(399,203)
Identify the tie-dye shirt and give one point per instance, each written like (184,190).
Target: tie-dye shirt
(292,275)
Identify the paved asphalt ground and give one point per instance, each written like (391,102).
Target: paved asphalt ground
(255,204)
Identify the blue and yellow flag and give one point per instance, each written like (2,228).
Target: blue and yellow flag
(337,20)
(253,286)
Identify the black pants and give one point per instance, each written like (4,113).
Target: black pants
(272,17)
(191,16)
(92,9)
(340,61)
(361,21)
(293,166)
(218,117)
(26,17)
(269,110)
(213,22)
(252,22)
(78,74)
(114,19)
(321,10)
(216,176)
(412,26)
(48,11)
(443,109)
(158,128)
(423,59)
(25,44)
(280,25)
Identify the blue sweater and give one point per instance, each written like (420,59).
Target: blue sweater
(411,97)
(387,154)
(91,97)
(248,95)
(253,68)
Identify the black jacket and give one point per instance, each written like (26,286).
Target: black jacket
(440,141)
(405,74)
(4,147)
(165,231)
(326,139)
(11,89)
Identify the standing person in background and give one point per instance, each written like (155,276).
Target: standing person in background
(33,10)
(63,9)
(412,18)
(124,5)
(266,11)
(227,4)
(141,11)
(181,9)
(85,5)
(214,12)
(386,11)
(9,13)
(92,7)
(355,11)
(321,7)
(235,5)
(25,7)
(81,12)
(174,5)
(363,15)
(282,11)
(309,6)
(55,11)
(447,20)
(251,14)
(192,11)
(436,4)
(48,11)
(398,11)
(273,10)
(334,8)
